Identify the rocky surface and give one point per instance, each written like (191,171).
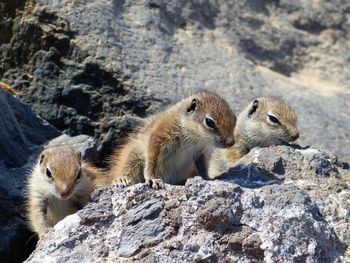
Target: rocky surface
(95,67)
(23,136)
(277,204)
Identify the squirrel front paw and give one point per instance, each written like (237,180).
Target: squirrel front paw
(123,181)
(155,183)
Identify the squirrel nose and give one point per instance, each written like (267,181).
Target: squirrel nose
(230,141)
(295,136)
(65,192)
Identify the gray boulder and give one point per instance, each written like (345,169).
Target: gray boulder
(95,67)
(277,204)
(22,136)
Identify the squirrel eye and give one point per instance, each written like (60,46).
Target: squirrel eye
(48,174)
(78,175)
(273,119)
(210,123)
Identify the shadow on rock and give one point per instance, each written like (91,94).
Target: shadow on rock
(253,176)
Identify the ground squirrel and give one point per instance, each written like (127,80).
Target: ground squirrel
(59,185)
(264,122)
(165,148)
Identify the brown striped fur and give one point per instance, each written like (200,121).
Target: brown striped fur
(165,148)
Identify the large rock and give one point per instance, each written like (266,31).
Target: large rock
(278,204)
(23,136)
(95,67)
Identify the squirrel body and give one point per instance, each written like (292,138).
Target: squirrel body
(264,122)
(164,150)
(60,184)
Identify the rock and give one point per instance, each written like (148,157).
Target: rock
(96,66)
(297,212)
(85,144)
(21,131)
(23,136)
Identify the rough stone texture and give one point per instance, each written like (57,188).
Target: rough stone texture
(23,135)
(21,131)
(95,67)
(277,204)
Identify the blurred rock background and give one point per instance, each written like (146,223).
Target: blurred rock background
(95,67)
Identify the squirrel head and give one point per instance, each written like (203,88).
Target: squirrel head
(267,121)
(215,120)
(60,166)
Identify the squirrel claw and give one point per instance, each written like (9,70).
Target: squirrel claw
(123,181)
(155,183)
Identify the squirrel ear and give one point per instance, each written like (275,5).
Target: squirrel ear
(193,106)
(42,157)
(254,107)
